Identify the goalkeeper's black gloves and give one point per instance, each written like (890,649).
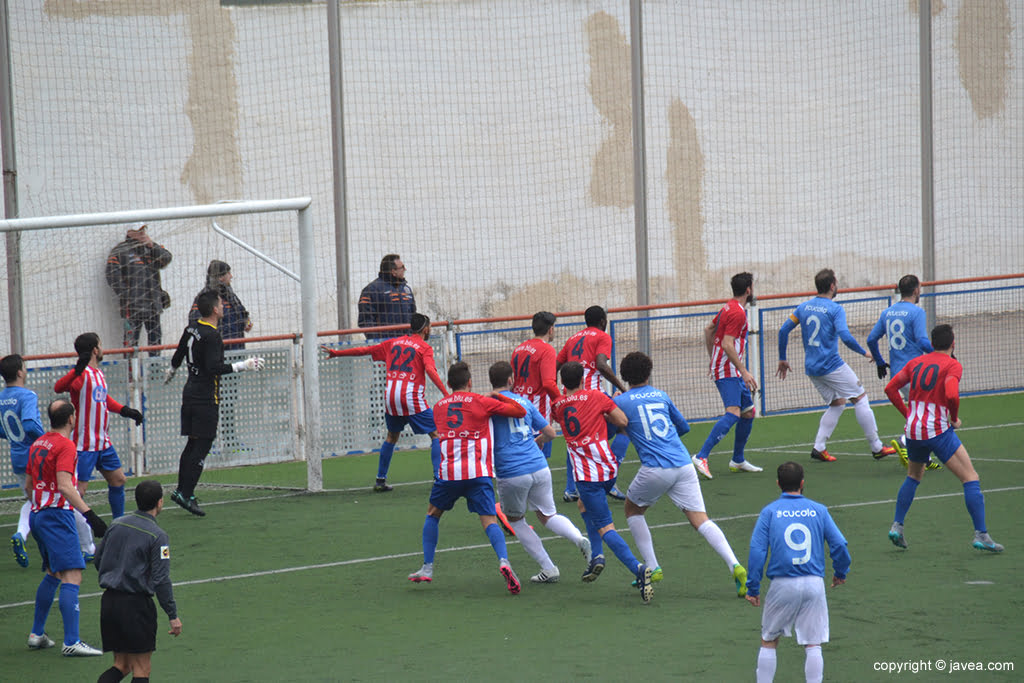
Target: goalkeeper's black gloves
(98,526)
(882,370)
(83,362)
(131,413)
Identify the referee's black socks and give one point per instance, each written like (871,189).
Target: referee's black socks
(112,675)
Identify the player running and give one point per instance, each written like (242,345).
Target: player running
(822,323)
(467,467)
(591,347)
(582,413)
(524,480)
(409,361)
(93,405)
(726,340)
(20,424)
(655,427)
(932,419)
(904,326)
(795,530)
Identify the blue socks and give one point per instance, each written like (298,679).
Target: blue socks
(570,481)
(975,504)
(905,497)
(742,434)
(621,550)
(387,449)
(497,538)
(429,539)
(718,432)
(594,534)
(44,598)
(435,457)
(68,603)
(115,496)
(619,446)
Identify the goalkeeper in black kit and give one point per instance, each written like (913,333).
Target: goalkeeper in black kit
(203,347)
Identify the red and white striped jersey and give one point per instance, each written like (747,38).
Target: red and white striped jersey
(49,454)
(934,380)
(584,347)
(409,361)
(581,415)
(535,378)
(731,320)
(464,430)
(92,407)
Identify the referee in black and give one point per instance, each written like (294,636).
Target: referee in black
(203,347)
(134,561)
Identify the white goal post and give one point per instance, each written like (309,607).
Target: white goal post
(309,435)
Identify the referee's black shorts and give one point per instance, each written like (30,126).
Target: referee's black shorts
(127,622)
(199,420)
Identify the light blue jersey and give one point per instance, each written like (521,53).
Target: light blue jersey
(515,451)
(655,425)
(19,423)
(822,324)
(795,529)
(905,325)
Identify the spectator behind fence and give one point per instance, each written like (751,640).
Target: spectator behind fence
(133,272)
(388,300)
(236,320)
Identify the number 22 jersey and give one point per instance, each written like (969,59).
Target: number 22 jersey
(409,360)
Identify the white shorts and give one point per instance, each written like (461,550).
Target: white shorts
(840,383)
(527,492)
(797,601)
(680,483)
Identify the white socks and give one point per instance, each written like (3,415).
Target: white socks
(642,537)
(814,665)
(766,665)
(23,526)
(866,419)
(532,544)
(828,423)
(714,536)
(561,526)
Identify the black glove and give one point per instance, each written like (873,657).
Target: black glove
(98,526)
(882,369)
(132,413)
(83,361)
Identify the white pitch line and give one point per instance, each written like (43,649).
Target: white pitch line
(379,558)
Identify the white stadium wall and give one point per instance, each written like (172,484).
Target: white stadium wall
(490,144)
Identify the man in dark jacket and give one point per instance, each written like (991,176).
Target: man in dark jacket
(388,300)
(133,272)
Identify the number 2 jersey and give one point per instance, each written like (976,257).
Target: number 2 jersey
(934,380)
(655,425)
(822,323)
(581,415)
(463,421)
(795,530)
(409,361)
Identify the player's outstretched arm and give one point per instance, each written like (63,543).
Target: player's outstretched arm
(507,407)
(892,390)
(605,368)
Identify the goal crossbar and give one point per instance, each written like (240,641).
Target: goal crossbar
(309,434)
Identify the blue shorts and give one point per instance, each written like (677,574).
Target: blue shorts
(105,460)
(734,392)
(594,496)
(57,538)
(479,495)
(421,423)
(943,446)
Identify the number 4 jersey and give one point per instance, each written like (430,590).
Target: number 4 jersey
(409,361)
